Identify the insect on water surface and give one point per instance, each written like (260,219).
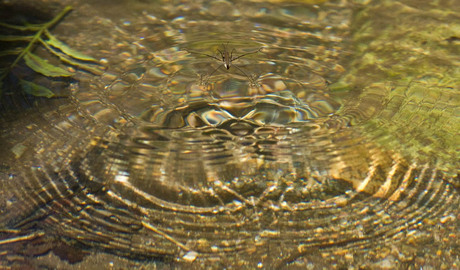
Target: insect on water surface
(227,58)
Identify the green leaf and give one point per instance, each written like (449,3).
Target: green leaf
(43,67)
(66,59)
(35,89)
(15,38)
(14,51)
(30,27)
(87,67)
(52,41)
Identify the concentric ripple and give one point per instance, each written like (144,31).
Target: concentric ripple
(170,155)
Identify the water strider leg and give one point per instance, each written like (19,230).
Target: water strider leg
(244,54)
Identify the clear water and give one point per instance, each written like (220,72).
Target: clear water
(332,143)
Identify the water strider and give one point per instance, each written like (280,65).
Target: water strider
(227,59)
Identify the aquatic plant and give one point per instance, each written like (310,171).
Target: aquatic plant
(38,35)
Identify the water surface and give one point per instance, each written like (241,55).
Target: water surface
(332,143)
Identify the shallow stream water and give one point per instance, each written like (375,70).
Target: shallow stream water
(244,134)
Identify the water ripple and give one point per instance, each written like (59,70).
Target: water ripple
(170,154)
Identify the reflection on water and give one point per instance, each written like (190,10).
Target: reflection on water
(323,144)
